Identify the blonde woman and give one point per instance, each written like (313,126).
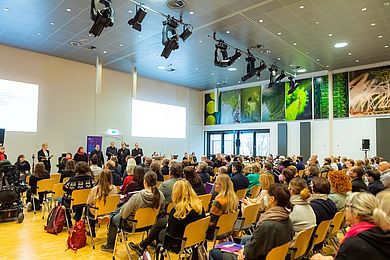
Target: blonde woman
(369,236)
(266,180)
(225,202)
(103,189)
(130,172)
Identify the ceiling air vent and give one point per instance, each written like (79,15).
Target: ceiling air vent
(176,4)
(75,43)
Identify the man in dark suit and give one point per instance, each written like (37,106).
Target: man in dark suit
(240,181)
(99,155)
(122,156)
(111,151)
(44,156)
(356,174)
(137,154)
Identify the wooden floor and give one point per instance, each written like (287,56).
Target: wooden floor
(28,240)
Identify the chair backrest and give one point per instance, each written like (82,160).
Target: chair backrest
(28,179)
(321,232)
(65,179)
(241,193)
(45,185)
(79,197)
(169,207)
(195,232)
(58,191)
(166,177)
(336,222)
(250,215)
(96,178)
(301,172)
(145,217)
(302,242)
(55,176)
(111,205)
(255,191)
(206,199)
(278,253)
(226,222)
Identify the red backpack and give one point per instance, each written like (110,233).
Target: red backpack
(55,220)
(77,237)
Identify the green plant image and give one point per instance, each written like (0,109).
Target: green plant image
(231,107)
(211,117)
(321,97)
(251,104)
(340,95)
(298,104)
(272,103)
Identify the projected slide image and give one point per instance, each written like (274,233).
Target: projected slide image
(18,106)
(150,119)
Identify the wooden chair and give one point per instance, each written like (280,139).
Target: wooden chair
(255,191)
(79,198)
(58,191)
(206,199)
(301,173)
(241,193)
(102,209)
(65,179)
(335,227)
(55,176)
(301,244)
(43,186)
(278,253)
(144,220)
(194,235)
(225,226)
(28,180)
(96,178)
(166,177)
(319,236)
(249,217)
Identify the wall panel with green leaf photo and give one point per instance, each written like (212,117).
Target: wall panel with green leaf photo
(321,97)
(251,105)
(231,107)
(299,103)
(272,103)
(340,95)
(211,117)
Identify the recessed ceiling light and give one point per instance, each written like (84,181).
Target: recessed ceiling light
(301,6)
(68,10)
(278,58)
(191,12)
(341,44)
(317,22)
(261,20)
(196,68)
(294,43)
(307,52)
(291,65)
(227,31)
(279,33)
(6,9)
(330,35)
(386,46)
(356,61)
(140,36)
(239,81)
(104,52)
(364,9)
(317,59)
(380,36)
(121,45)
(386,3)
(301,70)
(200,41)
(372,24)
(232,69)
(327,66)
(212,73)
(39,34)
(130,11)
(161,67)
(349,53)
(52,23)
(257,78)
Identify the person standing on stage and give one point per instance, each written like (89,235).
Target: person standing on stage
(99,155)
(137,154)
(111,151)
(44,157)
(3,156)
(122,156)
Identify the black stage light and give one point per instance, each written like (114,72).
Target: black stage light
(235,56)
(280,77)
(187,31)
(293,85)
(138,18)
(273,70)
(170,38)
(221,58)
(261,67)
(102,15)
(250,68)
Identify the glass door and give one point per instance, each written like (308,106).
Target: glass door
(246,143)
(228,143)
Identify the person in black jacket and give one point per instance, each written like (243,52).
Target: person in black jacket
(194,179)
(201,171)
(369,235)
(137,153)
(122,157)
(80,156)
(22,165)
(240,181)
(156,168)
(99,155)
(374,179)
(356,174)
(111,151)
(165,166)
(44,156)
(117,180)
(39,174)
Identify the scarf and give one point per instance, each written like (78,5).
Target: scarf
(318,196)
(276,213)
(297,200)
(357,229)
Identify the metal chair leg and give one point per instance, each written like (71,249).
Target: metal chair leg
(127,247)
(90,232)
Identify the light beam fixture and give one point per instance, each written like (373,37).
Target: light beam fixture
(272,75)
(293,85)
(138,18)
(102,15)
(187,31)
(170,37)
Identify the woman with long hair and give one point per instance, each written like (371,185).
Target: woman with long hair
(39,174)
(22,165)
(137,183)
(69,171)
(194,179)
(100,192)
(225,202)
(266,180)
(369,235)
(149,197)
(80,155)
(340,186)
(302,216)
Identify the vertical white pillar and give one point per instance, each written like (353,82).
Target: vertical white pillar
(134,74)
(216,103)
(330,98)
(99,71)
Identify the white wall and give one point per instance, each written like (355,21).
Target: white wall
(69,110)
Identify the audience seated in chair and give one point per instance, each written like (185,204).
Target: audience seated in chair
(194,179)
(340,186)
(69,170)
(39,174)
(175,172)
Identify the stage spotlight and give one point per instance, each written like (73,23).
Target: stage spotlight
(170,38)
(273,70)
(187,31)
(280,77)
(221,58)
(261,67)
(102,15)
(250,68)
(235,56)
(293,85)
(138,18)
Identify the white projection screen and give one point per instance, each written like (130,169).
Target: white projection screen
(151,119)
(18,106)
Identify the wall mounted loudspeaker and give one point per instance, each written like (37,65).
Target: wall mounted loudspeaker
(365,144)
